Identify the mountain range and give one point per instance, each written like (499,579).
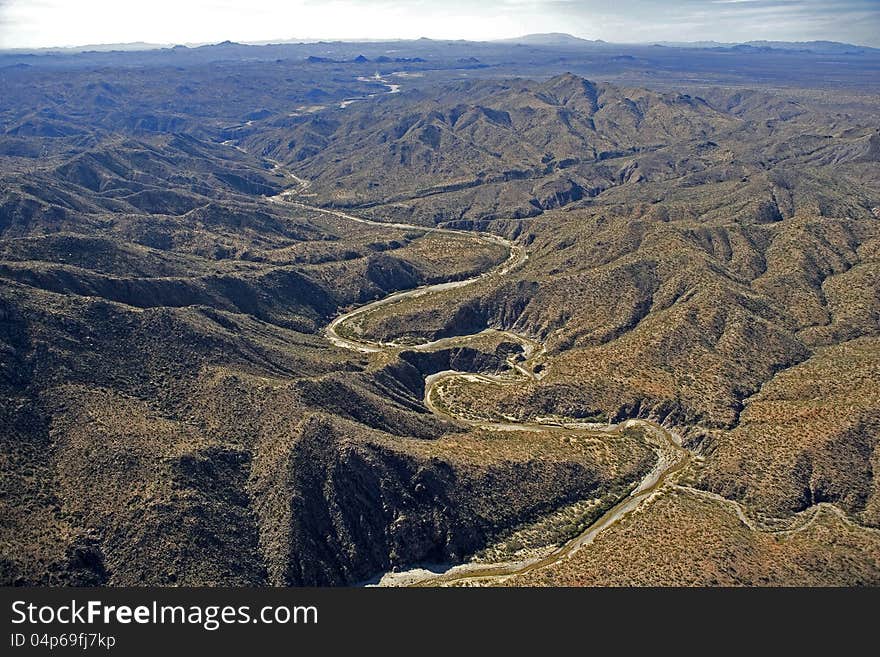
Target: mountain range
(685,258)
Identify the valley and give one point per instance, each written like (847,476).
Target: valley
(335,320)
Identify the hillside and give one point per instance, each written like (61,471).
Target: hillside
(550,143)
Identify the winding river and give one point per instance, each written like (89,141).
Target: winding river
(671,457)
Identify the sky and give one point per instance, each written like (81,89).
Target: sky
(49,23)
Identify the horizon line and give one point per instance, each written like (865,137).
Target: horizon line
(148,45)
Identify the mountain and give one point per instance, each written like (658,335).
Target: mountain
(815,47)
(550,39)
(818,47)
(96,47)
(530,146)
(548,138)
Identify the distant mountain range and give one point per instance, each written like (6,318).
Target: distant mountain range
(560,39)
(549,39)
(818,47)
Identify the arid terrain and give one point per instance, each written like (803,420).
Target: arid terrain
(440,314)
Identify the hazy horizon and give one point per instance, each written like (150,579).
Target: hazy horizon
(58,24)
